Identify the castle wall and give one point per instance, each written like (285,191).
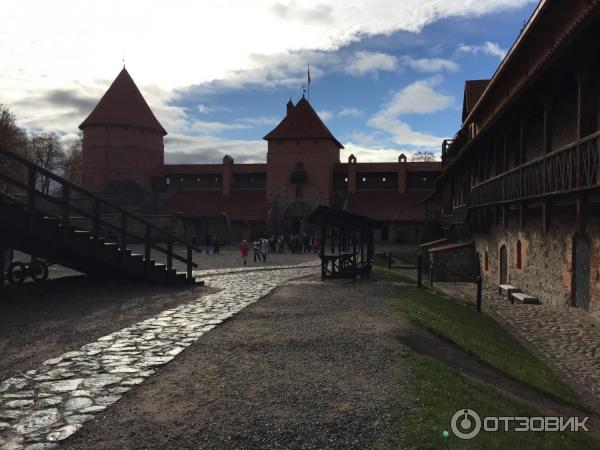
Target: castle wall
(113,153)
(317,156)
(546,258)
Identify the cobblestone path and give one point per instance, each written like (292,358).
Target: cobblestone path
(44,406)
(569,338)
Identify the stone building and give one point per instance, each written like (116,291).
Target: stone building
(123,157)
(521,177)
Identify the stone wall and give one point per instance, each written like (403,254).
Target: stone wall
(546,258)
(456,263)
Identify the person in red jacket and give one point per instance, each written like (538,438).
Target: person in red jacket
(244,251)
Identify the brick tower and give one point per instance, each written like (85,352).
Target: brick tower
(301,156)
(122,139)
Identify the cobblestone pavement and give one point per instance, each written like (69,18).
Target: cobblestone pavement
(569,338)
(46,405)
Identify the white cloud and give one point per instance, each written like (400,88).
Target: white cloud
(363,63)
(325,115)
(184,149)
(376,154)
(350,112)
(419,97)
(487,48)
(203,109)
(430,64)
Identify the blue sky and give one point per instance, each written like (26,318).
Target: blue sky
(386,78)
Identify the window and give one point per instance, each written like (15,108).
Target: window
(519,257)
(168,180)
(345,179)
(486,262)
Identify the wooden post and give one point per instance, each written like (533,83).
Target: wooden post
(419,270)
(123,240)
(189,264)
(479,293)
(169,257)
(96,224)
(147,242)
(31,195)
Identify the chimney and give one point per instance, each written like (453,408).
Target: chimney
(352,174)
(402,169)
(227,174)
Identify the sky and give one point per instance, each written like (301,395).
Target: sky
(387,76)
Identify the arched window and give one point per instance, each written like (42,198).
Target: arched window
(519,257)
(486,263)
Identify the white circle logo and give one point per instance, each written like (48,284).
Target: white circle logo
(465,424)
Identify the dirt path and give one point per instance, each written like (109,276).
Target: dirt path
(309,366)
(43,321)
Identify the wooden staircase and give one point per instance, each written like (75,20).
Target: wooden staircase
(27,224)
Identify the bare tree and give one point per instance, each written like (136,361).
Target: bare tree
(73,162)
(47,152)
(423,156)
(14,139)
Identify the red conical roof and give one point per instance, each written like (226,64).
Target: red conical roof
(301,122)
(123,104)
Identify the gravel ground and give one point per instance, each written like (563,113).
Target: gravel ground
(42,321)
(311,365)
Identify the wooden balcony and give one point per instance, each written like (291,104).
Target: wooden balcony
(572,168)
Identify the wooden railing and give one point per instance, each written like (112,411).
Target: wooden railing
(32,172)
(572,168)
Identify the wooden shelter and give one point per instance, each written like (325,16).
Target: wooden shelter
(349,238)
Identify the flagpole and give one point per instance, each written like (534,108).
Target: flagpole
(308,76)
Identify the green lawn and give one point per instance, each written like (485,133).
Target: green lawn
(481,336)
(441,391)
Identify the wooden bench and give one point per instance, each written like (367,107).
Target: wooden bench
(523,298)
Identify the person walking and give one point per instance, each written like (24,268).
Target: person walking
(264,248)
(256,248)
(244,251)
(207,244)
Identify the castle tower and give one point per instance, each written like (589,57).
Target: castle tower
(301,156)
(122,139)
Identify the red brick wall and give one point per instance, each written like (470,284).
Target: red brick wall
(120,153)
(318,158)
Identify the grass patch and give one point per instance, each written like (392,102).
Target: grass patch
(441,391)
(481,336)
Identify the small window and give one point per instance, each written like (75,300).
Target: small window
(519,257)
(364,179)
(383,179)
(346,180)
(168,180)
(486,263)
